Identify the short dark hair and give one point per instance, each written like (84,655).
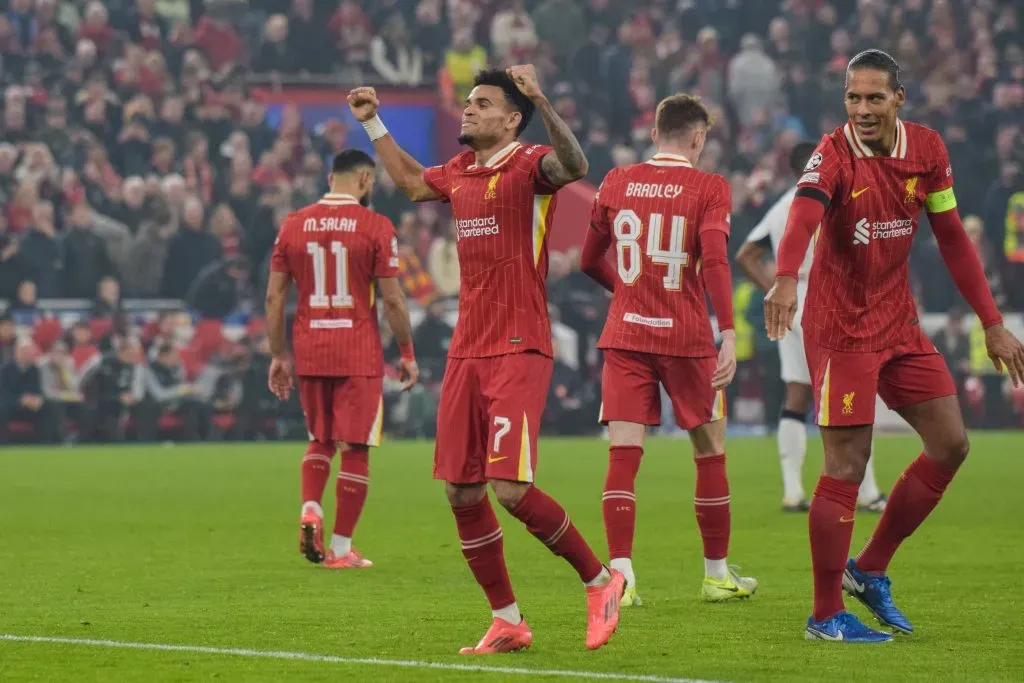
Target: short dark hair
(349,160)
(799,156)
(516,99)
(880,61)
(678,114)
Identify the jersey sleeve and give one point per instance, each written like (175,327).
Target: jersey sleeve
(599,221)
(535,156)
(279,255)
(438,179)
(718,206)
(386,250)
(939,194)
(823,171)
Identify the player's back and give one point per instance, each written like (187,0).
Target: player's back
(655,212)
(859,296)
(333,250)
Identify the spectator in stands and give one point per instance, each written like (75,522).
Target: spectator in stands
(7,339)
(462,62)
(432,337)
(274,56)
(216,37)
(147,254)
(393,54)
(120,390)
(954,344)
(21,397)
(169,391)
(40,253)
(190,250)
(62,386)
(85,256)
(513,37)
(221,288)
(108,299)
(567,411)
(24,309)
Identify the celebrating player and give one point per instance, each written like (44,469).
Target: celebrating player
(792,436)
(670,225)
(499,363)
(334,250)
(869,181)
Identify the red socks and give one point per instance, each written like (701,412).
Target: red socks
(351,488)
(316,470)
(913,498)
(549,523)
(711,503)
(619,502)
(484,550)
(831,528)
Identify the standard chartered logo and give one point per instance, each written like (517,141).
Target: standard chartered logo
(866,230)
(477,227)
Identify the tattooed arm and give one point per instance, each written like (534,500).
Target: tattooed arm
(567,163)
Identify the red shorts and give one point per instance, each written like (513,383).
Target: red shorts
(488,419)
(845,383)
(348,409)
(630,392)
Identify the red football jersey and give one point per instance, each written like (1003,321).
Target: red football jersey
(503,214)
(333,250)
(858,296)
(655,212)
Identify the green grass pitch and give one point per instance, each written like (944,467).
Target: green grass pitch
(197,546)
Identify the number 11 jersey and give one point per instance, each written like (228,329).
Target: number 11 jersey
(334,250)
(654,213)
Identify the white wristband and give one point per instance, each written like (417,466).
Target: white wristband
(375,128)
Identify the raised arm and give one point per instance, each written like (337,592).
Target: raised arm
(399,164)
(567,163)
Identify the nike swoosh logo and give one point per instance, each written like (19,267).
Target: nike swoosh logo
(857,193)
(845,520)
(498,459)
(734,589)
(456,189)
(858,586)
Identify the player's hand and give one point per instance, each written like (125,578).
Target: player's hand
(525,78)
(780,307)
(280,379)
(1006,350)
(726,368)
(363,102)
(409,373)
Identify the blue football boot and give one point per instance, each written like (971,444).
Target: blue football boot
(844,628)
(874,592)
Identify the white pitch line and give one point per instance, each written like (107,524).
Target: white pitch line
(368,661)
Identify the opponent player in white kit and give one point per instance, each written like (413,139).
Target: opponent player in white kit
(792,434)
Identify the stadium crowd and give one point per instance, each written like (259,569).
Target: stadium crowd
(138,171)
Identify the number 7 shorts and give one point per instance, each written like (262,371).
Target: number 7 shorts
(488,419)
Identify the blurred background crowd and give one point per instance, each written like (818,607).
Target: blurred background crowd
(149,150)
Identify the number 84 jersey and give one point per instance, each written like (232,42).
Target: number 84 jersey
(655,213)
(334,250)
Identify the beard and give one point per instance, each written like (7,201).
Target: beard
(464,139)
(366,199)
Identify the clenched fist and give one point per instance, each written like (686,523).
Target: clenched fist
(525,78)
(363,102)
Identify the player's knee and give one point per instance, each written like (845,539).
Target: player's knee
(625,433)
(955,452)
(509,493)
(461,495)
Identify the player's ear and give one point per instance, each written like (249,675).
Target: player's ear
(513,120)
(654,136)
(901,97)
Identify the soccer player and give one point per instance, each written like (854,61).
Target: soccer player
(670,224)
(502,195)
(334,250)
(792,436)
(866,184)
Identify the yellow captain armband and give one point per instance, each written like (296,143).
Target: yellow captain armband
(940,201)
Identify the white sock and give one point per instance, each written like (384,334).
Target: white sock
(601,579)
(340,544)
(792,439)
(716,569)
(510,614)
(869,492)
(312,506)
(625,565)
